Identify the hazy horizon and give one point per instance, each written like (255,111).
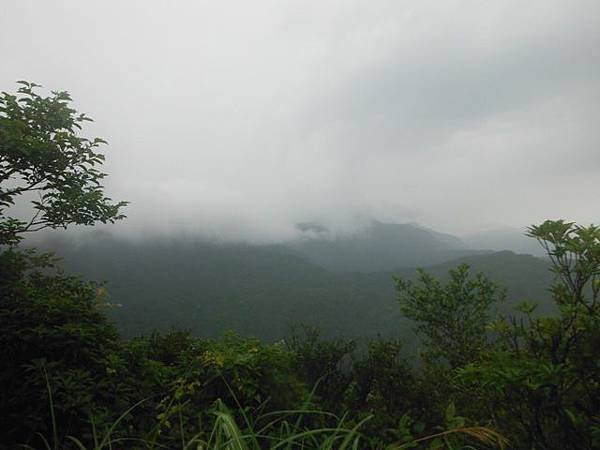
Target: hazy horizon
(240,120)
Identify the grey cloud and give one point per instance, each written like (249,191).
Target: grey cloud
(234,120)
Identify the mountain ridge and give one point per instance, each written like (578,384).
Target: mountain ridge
(263,290)
(380,247)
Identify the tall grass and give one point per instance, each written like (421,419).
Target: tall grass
(274,430)
(278,433)
(279,430)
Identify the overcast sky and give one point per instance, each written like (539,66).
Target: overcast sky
(242,118)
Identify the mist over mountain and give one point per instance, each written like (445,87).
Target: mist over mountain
(506,238)
(378,247)
(263,290)
(455,115)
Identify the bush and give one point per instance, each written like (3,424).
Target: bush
(52,332)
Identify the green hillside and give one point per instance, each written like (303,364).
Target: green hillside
(262,290)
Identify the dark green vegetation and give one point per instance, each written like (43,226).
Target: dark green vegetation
(489,375)
(262,290)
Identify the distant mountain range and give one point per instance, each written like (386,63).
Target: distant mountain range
(379,247)
(513,239)
(263,290)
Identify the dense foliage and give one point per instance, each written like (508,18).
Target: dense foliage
(452,318)
(542,378)
(50,328)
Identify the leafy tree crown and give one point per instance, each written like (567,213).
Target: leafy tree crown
(44,160)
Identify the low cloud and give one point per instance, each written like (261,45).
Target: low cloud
(238,120)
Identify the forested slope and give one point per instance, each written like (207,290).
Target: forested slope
(262,290)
